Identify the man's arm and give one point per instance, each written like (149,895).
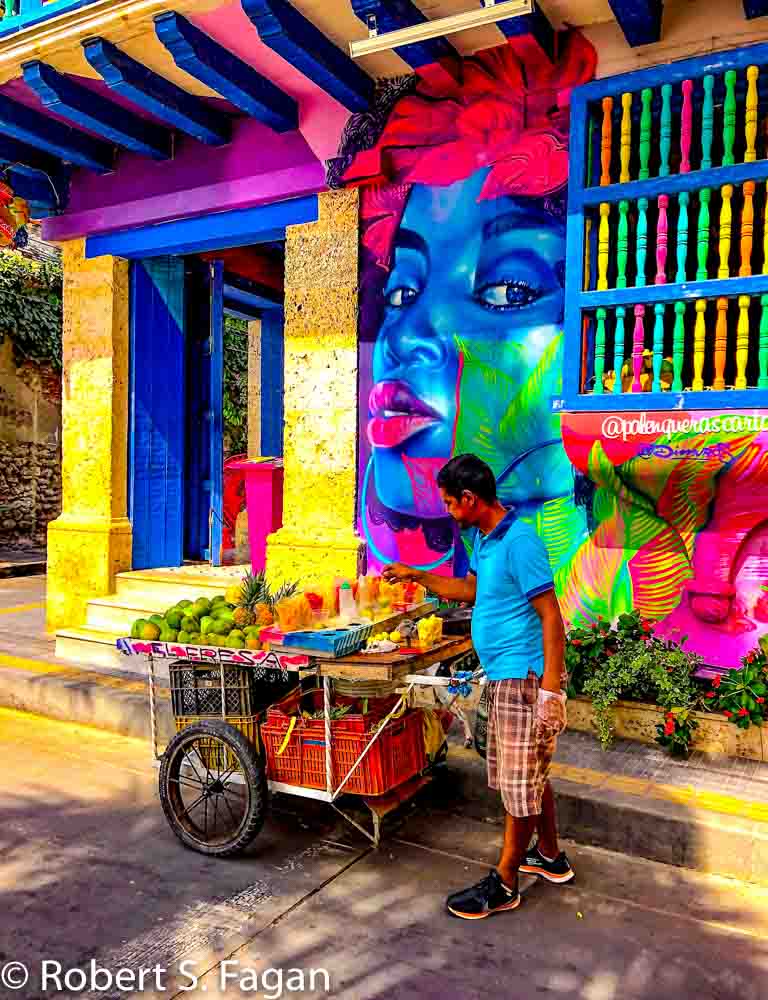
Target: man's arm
(447,587)
(553,635)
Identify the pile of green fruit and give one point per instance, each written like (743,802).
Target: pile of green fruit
(198,623)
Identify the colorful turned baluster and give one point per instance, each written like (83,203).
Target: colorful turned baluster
(605,142)
(726,218)
(600,352)
(603,247)
(658,345)
(751,115)
(702,238)
(665,141)
(638,343)
(699,334)
(686,127)
(707,122)
(762,381)
(742,343)
(587,253)
(747,229)
(626,136)
(623,245)
(618,348)
(642,239)
(682,235)
(646,123)
(678,346)
(721,343)
(729,118)
(662,238)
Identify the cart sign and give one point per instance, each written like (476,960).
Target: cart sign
(213,654)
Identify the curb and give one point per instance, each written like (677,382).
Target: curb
(8,570)
(717,835)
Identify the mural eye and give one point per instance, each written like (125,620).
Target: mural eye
(507,295)
(400,296)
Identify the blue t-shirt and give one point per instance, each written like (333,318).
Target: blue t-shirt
(512,566)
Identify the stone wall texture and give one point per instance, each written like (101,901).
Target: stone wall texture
(30,451)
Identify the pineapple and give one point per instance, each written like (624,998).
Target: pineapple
(251,594)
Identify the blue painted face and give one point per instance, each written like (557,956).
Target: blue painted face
(485,274)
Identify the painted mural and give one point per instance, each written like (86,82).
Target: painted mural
(463,204)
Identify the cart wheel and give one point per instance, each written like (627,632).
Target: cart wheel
(213,788)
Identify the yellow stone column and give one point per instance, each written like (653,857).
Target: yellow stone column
(318,537)
(91,541)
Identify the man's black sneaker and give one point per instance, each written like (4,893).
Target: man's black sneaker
(490,895)
(558,871)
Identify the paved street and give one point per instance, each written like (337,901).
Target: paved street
(89,870)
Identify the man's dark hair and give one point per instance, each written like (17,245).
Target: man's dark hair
(468,473)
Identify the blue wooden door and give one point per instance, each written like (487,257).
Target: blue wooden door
(204,412)
(157,397)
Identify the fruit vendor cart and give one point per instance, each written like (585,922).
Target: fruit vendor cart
(253,721)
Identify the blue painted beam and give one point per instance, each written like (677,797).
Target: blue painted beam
(391,15)
(537,24)
(755,8)
(250,295)
(28,126)
(640,20)
(88,110)
(27,156)
(156,95)
(204,59)
(756,284)
(285,30)
(40,189)
(218,231)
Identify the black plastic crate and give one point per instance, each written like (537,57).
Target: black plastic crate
(196,689)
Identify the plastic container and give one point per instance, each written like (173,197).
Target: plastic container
(264,503)
(196,690)
(347,604)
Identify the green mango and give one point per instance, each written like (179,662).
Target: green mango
(196,639)
(150,631)
(168,634)
(136,628)
(234,643)
(206,624)
(184,604)
(201,607)
(157,619)
(184,637)
(190,624)
(218,599)
(221,627)
(236,633)
(175,617)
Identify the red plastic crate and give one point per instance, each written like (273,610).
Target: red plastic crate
(397,755)
(279,714)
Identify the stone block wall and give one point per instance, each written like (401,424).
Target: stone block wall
(30,451)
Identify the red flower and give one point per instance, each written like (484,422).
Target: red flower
(727,714)
(646,626)
(743,712)
(711,694)
(645,638)
(669,728)
(599,618)
(716,681)
(751,658)
(760,701)
(594,626)
(669,715)
(575,642)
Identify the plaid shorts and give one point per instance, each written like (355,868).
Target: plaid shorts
(519,753)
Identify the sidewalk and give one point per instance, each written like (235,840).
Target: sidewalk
(708,814)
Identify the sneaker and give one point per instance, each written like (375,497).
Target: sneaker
(558,871)
(490,895)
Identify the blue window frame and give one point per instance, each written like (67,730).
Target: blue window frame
(667,254)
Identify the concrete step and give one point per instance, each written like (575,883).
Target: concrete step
(163,588)
(90,646)
(117,613)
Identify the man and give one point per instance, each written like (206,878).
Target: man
(519,637)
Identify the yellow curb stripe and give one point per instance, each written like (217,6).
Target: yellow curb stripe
(8,662)
(683,795)
(18,608)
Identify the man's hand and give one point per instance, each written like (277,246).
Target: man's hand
(550,711)
(398,573)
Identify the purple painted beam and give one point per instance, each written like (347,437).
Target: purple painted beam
(255,168)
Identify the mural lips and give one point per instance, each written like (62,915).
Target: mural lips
(397,414)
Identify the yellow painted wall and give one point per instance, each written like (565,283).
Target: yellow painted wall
(320,443)
(91,541)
